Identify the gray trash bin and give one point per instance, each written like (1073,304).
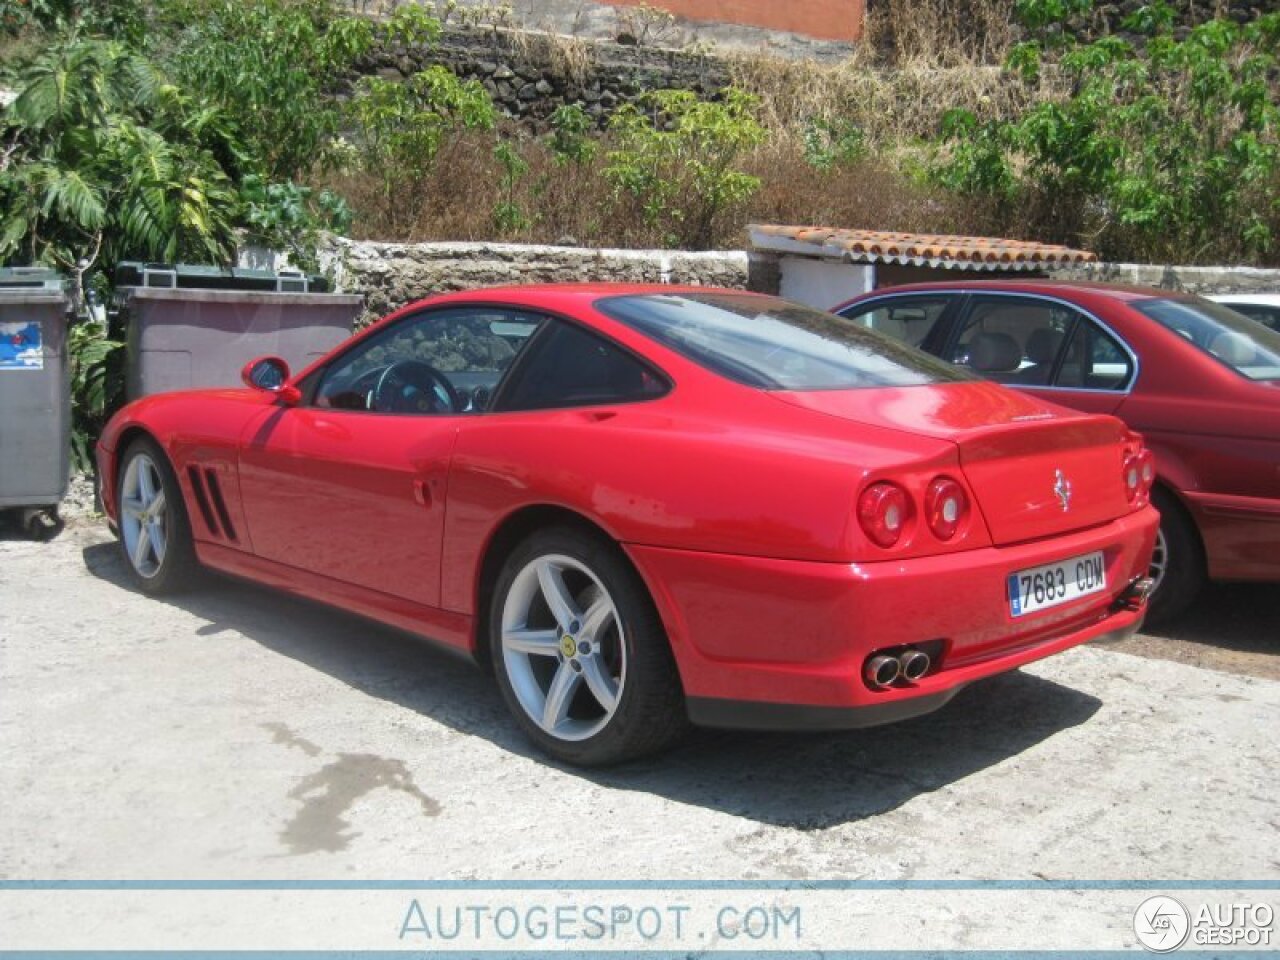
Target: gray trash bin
(35,396)
(190,327)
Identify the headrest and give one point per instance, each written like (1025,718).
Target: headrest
(994,353)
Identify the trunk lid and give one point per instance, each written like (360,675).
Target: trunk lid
(1035,469)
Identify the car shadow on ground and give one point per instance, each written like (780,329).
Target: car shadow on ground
(805,781)
(1235,616)
(1230,626)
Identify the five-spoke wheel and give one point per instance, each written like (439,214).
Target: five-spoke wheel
(581,656)
(154,532)
(563,647)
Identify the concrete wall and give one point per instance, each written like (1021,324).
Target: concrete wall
(390,275)
(822,283)
(1201,280)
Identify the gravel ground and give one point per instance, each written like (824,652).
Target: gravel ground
(235,733)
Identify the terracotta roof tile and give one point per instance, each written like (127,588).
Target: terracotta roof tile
(917,249)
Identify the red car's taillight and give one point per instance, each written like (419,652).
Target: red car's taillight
(946,506)
(1139,475)
(883,510)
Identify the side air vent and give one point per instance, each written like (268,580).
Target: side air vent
(219,504)
(202,500)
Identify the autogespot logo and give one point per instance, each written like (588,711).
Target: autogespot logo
(1161,924)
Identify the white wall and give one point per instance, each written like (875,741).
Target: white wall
(824,283)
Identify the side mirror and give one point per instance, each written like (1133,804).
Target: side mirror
(272,375)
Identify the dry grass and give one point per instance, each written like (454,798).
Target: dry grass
(574,203)
(941,33)
(889,106)
(921,59)
(571,58)
(872,194)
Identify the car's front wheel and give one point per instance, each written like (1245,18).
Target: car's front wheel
(580,653)
(155,533)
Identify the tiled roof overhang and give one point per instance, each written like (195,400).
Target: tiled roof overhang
(915,249)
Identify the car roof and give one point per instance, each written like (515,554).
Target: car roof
(1064,288)
(577,291)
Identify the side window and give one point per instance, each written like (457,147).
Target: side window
(1265,315)
(570,367)
(1014,339)
(438,361)
(1094,361)
(909,319)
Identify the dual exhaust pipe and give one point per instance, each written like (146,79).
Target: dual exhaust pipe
(1136,594)
(884,670)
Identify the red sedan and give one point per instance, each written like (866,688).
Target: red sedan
(642,506)
(1200,382)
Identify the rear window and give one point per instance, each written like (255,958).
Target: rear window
(1244,345)
(774,344)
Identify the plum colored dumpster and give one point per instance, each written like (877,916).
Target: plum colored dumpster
(198,326)
(35,397)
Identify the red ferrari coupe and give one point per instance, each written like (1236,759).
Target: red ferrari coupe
(642,506)
(1200,382)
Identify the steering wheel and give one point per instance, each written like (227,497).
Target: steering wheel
(414,386)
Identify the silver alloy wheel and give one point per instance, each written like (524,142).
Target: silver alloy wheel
(1159,560)
(142,516)
(563,647)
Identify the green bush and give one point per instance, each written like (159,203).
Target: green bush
(1167,151)
(401,126)
(677,161)
(97,386)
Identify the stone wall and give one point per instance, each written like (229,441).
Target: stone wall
(1201,280)
(529,75)
(390,275)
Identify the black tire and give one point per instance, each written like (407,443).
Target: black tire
(176,568)
(1184,570)
(649,713)
(44,525)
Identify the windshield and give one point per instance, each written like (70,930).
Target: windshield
(1244,345)
(774,344)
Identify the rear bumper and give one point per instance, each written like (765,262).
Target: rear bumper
(763,715)
(780,644)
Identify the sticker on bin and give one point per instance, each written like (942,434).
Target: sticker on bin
(1038,588)
(21,347)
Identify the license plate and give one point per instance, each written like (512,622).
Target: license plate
(1037,588)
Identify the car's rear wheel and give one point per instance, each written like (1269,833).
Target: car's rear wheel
(1177,566)
(155,533)
(580,653)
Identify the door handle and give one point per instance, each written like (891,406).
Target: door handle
(422,492)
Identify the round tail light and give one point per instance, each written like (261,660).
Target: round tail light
(945,506)
(1132,477)
(882,512)
(1147,468)
(1139,475)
